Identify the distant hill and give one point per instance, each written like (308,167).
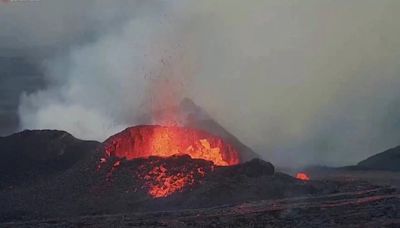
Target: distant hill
(387,160)
(33,154)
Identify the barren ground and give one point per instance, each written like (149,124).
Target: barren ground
(374,204)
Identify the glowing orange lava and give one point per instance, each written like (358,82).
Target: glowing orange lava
(161,180)
(165,184)
(153,140)
(302,176)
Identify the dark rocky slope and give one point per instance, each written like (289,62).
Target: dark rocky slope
(32,154)
(388,160)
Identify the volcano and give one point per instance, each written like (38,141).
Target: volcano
(195,134)
(145,141)
(194,173)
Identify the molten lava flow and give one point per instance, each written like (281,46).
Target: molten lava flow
(162,179)
(166,184)
(152,140)
(302,176)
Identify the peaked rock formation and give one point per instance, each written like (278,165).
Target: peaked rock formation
(197,118)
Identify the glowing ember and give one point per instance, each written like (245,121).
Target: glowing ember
(150,140)
(302,176)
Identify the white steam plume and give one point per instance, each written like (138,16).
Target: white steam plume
(301,82)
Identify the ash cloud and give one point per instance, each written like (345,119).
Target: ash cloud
(301,83)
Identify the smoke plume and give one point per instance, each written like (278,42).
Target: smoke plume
(299,81)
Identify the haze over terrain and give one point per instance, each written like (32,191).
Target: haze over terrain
(301,82)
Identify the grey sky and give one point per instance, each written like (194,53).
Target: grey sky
(300,81)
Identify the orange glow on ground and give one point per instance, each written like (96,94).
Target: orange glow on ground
(302,176)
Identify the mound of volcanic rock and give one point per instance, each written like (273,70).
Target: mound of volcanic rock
(180,182)
(192,155)
(388,160)
(28,155)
